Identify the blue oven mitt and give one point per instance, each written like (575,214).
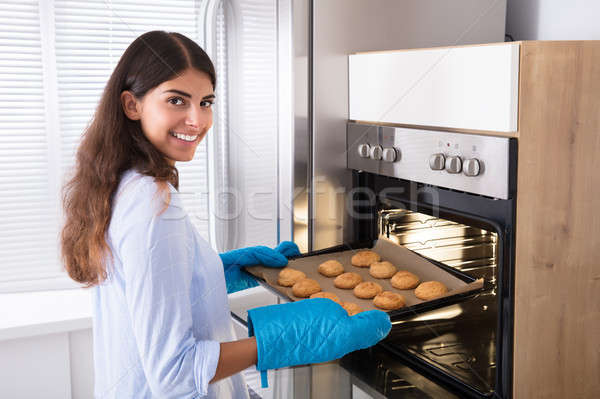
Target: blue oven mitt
(233,261)
(311,331)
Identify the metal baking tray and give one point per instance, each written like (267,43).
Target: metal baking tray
(460,285)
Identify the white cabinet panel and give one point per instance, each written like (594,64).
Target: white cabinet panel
(81,356)
(36,367)
(474,87)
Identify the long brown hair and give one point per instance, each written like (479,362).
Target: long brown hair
(112,144)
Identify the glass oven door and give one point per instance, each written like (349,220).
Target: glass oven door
(465,346)
(459,340)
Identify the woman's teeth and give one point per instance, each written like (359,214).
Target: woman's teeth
(184,137)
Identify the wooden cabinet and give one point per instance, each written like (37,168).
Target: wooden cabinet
(472,87)
(557,276)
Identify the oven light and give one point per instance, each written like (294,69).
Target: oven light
(394,239)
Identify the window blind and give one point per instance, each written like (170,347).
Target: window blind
(55,59)
(224,226)
(253,130)
(28,226)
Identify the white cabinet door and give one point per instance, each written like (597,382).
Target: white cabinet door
(473,87)
(36,367)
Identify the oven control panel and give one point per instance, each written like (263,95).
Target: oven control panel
(468,162)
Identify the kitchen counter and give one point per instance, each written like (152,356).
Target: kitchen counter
(30,314)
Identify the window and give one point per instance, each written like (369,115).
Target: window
(27,206)
(247,196)
(55,58)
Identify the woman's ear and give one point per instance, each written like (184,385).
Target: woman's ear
(131,106)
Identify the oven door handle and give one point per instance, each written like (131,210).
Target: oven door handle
(237,319)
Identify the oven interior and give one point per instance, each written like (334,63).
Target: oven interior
(459,340)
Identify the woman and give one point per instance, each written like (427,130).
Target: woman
(161,318)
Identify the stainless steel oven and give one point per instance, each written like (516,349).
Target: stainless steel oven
(449,197)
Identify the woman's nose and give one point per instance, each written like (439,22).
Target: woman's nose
(196,118)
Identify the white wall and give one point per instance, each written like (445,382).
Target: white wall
(553,19)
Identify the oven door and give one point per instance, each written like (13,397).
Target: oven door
(465,347)
(368,374)
(376,373)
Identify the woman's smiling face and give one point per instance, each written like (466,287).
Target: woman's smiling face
(175,115)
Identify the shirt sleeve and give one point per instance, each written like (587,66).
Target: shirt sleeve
(157,253)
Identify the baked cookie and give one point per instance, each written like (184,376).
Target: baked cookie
(367,290)
(430,290)
(404,280)
(305,288)
(365,258)
(331,268)
(328,295)
(351,308)
(383,269)
(389,300)
(347,280)
(289,276)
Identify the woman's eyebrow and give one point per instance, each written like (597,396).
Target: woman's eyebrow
(183,93)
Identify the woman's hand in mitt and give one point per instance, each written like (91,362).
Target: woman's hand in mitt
(312,331)
(234,260)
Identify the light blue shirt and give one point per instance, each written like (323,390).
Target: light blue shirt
(162,312)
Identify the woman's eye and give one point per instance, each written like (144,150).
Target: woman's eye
(206,104)
(176,101)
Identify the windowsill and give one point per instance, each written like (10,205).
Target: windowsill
(29,314)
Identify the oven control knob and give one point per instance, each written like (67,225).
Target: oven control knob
(389,154)
(453,164)
(376,152)
(471,167)
(437,162)
(363,150)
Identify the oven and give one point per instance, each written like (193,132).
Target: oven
(451,198)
